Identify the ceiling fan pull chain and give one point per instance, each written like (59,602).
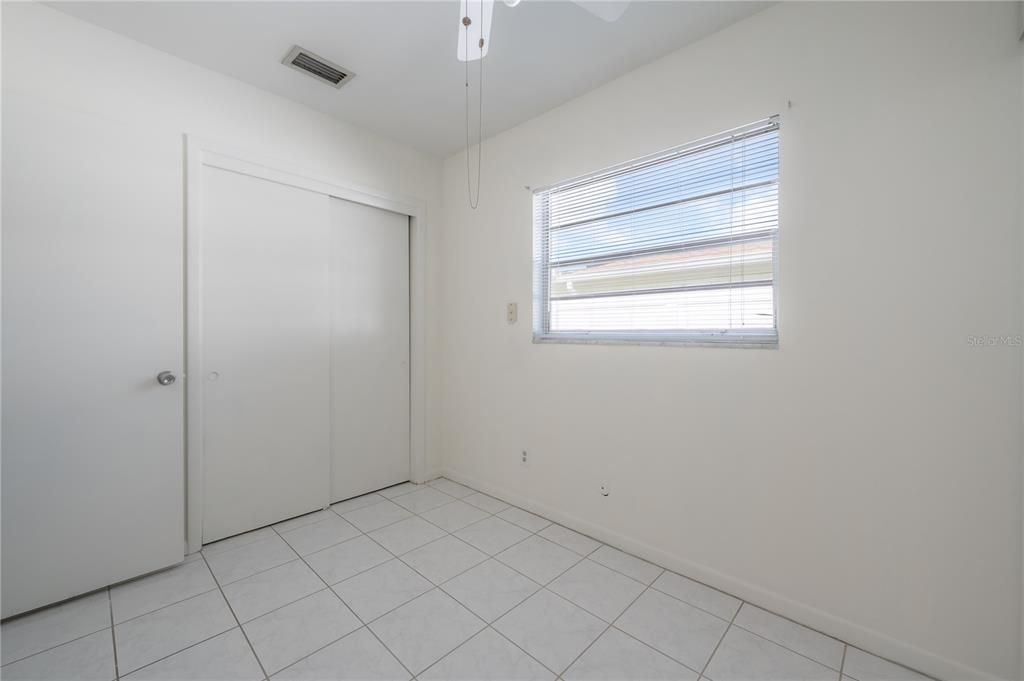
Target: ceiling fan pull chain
(474,201)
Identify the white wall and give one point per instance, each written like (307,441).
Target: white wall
(51,57)
(866,476)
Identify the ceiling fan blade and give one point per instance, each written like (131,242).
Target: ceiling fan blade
(479,13)
(609,10)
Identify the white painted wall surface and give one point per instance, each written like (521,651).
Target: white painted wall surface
(864,477)
(51,57)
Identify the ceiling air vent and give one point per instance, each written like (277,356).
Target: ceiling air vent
(314,65)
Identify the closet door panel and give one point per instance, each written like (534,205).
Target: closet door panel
(369,349)
(266,325)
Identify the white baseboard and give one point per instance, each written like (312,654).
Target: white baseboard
(867,639)
(428,476)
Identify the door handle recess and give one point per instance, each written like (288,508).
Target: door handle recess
(165,378)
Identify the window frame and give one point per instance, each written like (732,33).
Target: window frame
(542,332)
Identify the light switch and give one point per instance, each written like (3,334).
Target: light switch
(512,313)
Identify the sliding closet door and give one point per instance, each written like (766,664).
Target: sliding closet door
(370,348)
(266,352)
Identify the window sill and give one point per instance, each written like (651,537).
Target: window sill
(701,341)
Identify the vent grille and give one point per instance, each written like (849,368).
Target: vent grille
(316,66)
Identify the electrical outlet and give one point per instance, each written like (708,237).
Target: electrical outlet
(605,490)
(525,459)
(512,313)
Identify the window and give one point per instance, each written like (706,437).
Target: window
(676,247)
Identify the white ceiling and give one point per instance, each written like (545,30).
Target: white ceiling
(408,85)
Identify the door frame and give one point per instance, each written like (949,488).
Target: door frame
(200,153)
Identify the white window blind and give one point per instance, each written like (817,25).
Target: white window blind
(679,246)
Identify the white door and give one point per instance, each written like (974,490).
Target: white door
(93,463)
(370,348)
(265,343)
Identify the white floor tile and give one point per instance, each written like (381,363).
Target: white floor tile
(695,593)
(574,541)
(809,643)
(302,521)
(489,504)
(426,629)
(454,516)
(175,625)
(406,535)
(163,632)
(356,503)
(45,629)
(743,656)
(383,588)
(290,633)
(551,629)
(524,519)
(597,589)
(441,560)
(631,566)
(423,499)
(357,657)
(376,516)
(487,657)
(347,559)
(162,588)
(492,535)
(239,563)
(319,535)
(226,657)
(618,657)
(452,488)
(90,658)
(864,666)
(239,540)
(270,589)
(681,631)
(538,559)
(398,490)
(491,589)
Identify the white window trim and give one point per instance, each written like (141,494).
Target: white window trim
(737,339)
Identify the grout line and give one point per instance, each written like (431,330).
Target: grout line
(354,614)
(232,611)
(487,625)
(783,617)
(726,593)
(188,647)
(164,607)
(440,587)
(543,587)
(648,645)
(795,652)
(77,638)
(46,650)
(707,664)
(663,571)
(305,515)
(604,631)
(113,637)
(394,557)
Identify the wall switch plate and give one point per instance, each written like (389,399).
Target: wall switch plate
(512,313)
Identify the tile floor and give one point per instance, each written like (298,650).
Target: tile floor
(435,582)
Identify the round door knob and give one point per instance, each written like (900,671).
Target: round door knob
(165,378)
